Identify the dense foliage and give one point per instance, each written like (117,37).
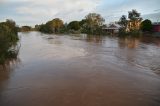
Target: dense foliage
(8,38)
(123,22)
(94,24)
(53,26)
(25,28)
(131,25)
(45,28)
(91,24)
(74,25)
(146,25)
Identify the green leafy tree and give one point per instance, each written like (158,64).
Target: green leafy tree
(8,39)
(56,24)
(146,25)
(26,28)
(53,26)
(82,22)
(134,20)
(94,21)
(123,22)
(74,25)
(64,29)
(45,28)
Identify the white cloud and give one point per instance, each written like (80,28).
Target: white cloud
(2,1)
(33,12)
(49,9)
(116,10)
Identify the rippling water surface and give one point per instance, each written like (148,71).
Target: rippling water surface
(80,70)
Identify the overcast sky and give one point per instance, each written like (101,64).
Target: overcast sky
(31,12)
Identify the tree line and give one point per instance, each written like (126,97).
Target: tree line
(94,24)
(134,24)
(91,24)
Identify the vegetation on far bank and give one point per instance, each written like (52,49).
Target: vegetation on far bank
(91,24)
(94,24)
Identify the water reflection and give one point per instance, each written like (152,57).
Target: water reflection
(9,57)
(6,71)
(10,64)
(94,38)
(151,40)
(128,42)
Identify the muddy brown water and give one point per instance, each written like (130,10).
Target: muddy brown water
(80,70)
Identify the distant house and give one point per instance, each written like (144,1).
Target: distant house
(156,27)
(112,29)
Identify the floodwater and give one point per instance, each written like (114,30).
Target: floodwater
(80,70)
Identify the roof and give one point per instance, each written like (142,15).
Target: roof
(112,26)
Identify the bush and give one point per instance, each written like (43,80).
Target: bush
(146,25)
(8,38)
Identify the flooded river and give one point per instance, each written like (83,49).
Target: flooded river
(80,70)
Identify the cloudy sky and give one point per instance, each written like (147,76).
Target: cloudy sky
(31,12)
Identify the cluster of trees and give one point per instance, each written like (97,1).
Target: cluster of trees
(94,23)
(134,23)
(25,28)
(8,38)
(91,24)
(53,26)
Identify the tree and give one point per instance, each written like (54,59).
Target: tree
(37,27)
(52,26)
(45,28)
(83,26)
(94,21)
(56,24)
(135,20)
(12,26)
(82,22)
(26,28)
(74,25)
(64,29)
(123,22)
(8,39)
(146,25)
